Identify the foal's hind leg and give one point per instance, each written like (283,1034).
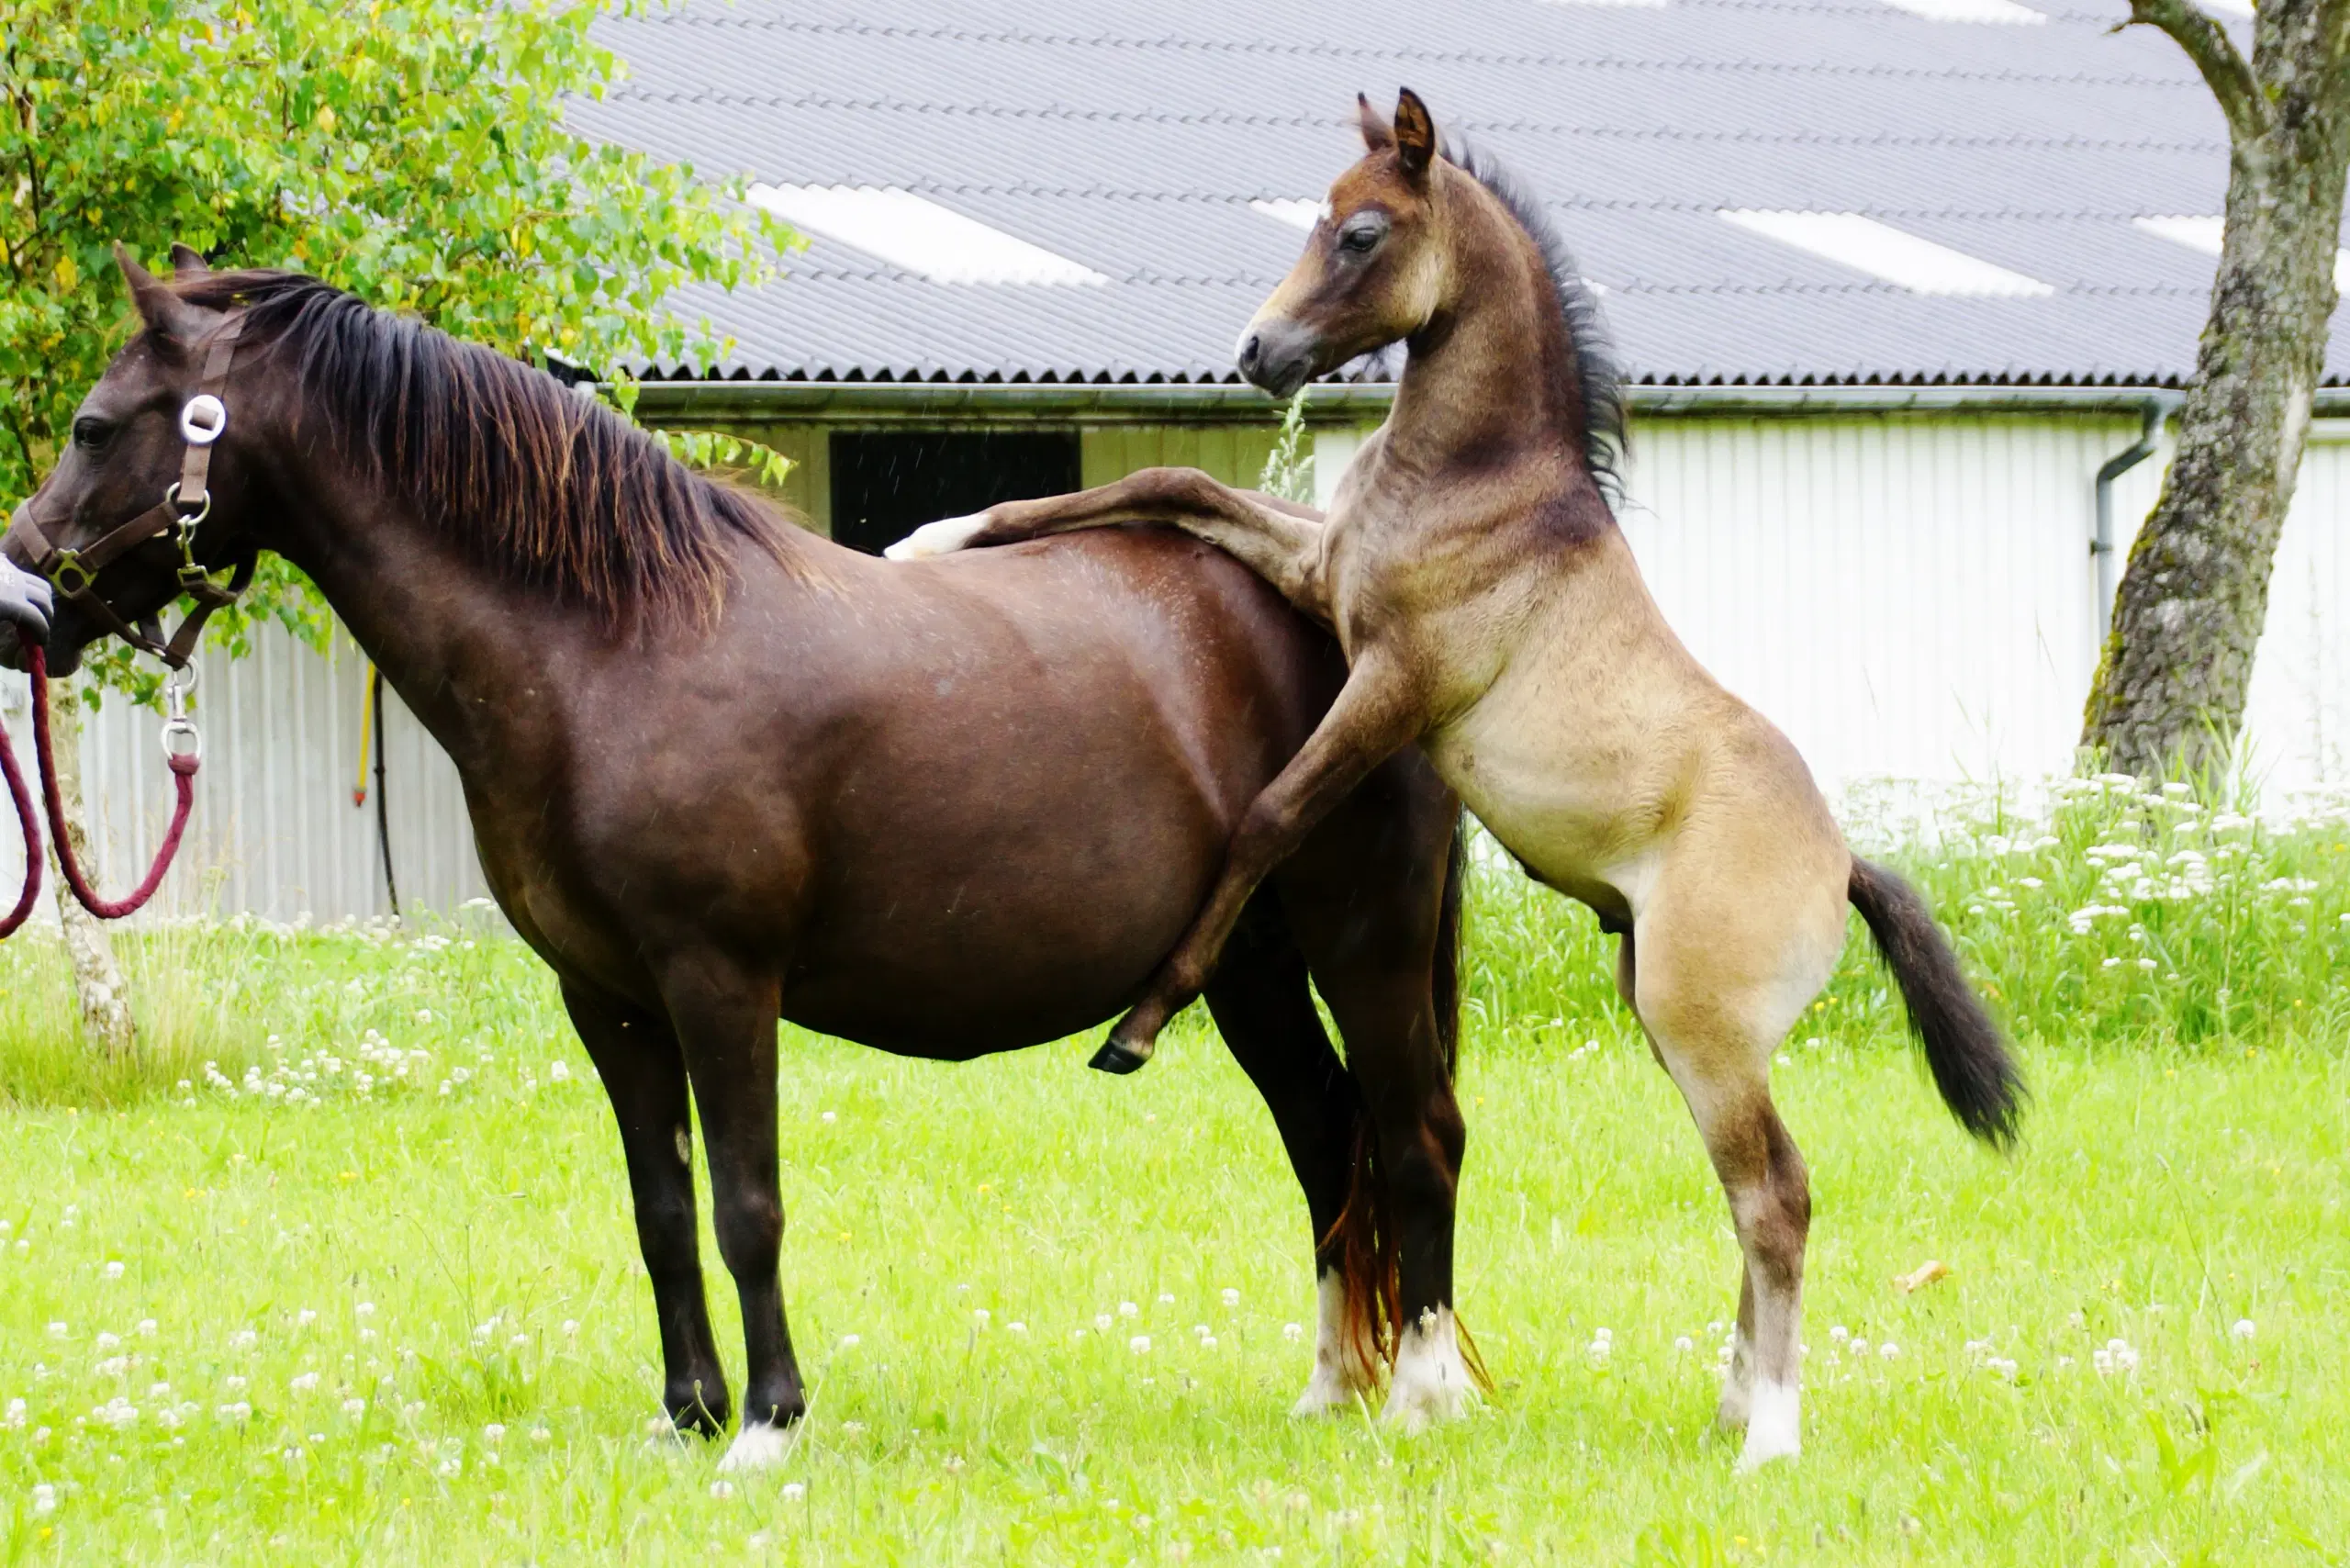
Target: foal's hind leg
(1265,1012)
(636,1056)
(1715,989)
(725,1021)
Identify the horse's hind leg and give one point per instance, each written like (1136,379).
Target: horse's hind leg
(725,1021)
(636,1056)
(1717,988)
(1265,1011)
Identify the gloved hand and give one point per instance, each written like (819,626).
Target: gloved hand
(23,602)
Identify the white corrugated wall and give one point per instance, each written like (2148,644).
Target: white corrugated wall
(1909,597)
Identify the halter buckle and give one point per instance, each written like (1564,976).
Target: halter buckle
(204,420)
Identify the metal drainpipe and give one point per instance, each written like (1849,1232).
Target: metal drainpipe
(2158,409)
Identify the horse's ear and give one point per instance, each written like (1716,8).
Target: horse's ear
(166,315)
(185,263)
(1414,135)
(1376,137)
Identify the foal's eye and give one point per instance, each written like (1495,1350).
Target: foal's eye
(90,435)
(1358,238)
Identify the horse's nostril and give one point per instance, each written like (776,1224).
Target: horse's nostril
(1250,348)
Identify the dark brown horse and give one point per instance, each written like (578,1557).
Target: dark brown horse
(723,771)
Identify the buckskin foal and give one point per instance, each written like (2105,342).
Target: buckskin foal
(721,770)
(1490,610)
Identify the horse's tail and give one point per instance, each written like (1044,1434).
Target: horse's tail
(1972,1067)
(1365,1232)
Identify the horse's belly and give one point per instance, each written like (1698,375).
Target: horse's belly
(1566,815)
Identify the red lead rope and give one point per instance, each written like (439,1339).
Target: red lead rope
(183,765)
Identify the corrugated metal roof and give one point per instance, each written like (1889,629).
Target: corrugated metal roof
(1130,139)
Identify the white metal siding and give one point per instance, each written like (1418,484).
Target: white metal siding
(1908,597)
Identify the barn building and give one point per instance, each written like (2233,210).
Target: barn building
(1901,289)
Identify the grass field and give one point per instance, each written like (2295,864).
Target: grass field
(1046,1315)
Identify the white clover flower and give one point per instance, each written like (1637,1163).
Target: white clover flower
(16,1417)
(1682,1344)
(1232,1298)
(1888,1350)
(44,1500)
(518,1342)
(113,1271)
(1207,1341)
(1165,1299)
(147,1329)
(305,1381)
(980,1315)
(1840,1333)
(109,1341)
(721,1488)
(794,1490)
(1859,1346)
(851,1341)
(828,1116)
(557,1072)
(233,1384)
(1292,1331)
(1139,1344)
(57,1331)
(114,1366)
(1101,1321)
(1127,1309)
(1015,1327)
(239,1411)
(570,1326)
(2243,1328)
(494,1433)
(354,1408)
(305,1318)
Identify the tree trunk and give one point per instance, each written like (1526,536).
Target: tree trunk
(2171,683)
(106,1021)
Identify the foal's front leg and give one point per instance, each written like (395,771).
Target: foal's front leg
(1279,541)
(1375,716)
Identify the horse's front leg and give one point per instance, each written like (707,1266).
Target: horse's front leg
(636,1056)
(1376,715)
(1279,541)
(725,1019)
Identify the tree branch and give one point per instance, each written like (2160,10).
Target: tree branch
(2215,55)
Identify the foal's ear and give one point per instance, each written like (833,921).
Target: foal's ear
(1414,135)
(166,313)
(1376,137)
(185,263)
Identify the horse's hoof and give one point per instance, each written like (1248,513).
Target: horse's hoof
(1119,1058)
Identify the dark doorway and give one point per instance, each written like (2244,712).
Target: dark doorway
(886,484)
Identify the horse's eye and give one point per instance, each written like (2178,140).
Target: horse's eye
(1359,239)
(90,435)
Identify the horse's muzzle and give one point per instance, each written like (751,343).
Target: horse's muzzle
(1277,356)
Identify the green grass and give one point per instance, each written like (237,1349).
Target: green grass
(2184,1169)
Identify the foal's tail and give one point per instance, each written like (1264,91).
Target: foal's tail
(1365,1233)
(1977,1076)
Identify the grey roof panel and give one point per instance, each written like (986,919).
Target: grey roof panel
(1129,136)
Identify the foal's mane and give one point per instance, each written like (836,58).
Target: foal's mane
(544,485)
(1597,389)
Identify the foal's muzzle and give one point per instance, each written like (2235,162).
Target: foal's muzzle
(1277,356)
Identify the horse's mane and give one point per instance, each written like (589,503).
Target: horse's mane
(544,485)
(1598,390)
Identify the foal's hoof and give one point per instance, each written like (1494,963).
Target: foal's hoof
(1115,1056)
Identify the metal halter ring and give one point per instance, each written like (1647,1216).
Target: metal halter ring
(203,511)
(204,420)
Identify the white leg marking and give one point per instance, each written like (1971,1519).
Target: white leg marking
(1775,1430)
(1431,1380)
(1338,1373)
(943,537)
(756,1447)
(1738,1384)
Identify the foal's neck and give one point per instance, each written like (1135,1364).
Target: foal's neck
(1491,377)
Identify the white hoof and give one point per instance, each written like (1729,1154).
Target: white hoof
(1773,1426)
(943,537)
(1432,1380)
(756,1447)
(1341,1375)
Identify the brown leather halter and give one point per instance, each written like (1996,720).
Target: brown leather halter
(74,573)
